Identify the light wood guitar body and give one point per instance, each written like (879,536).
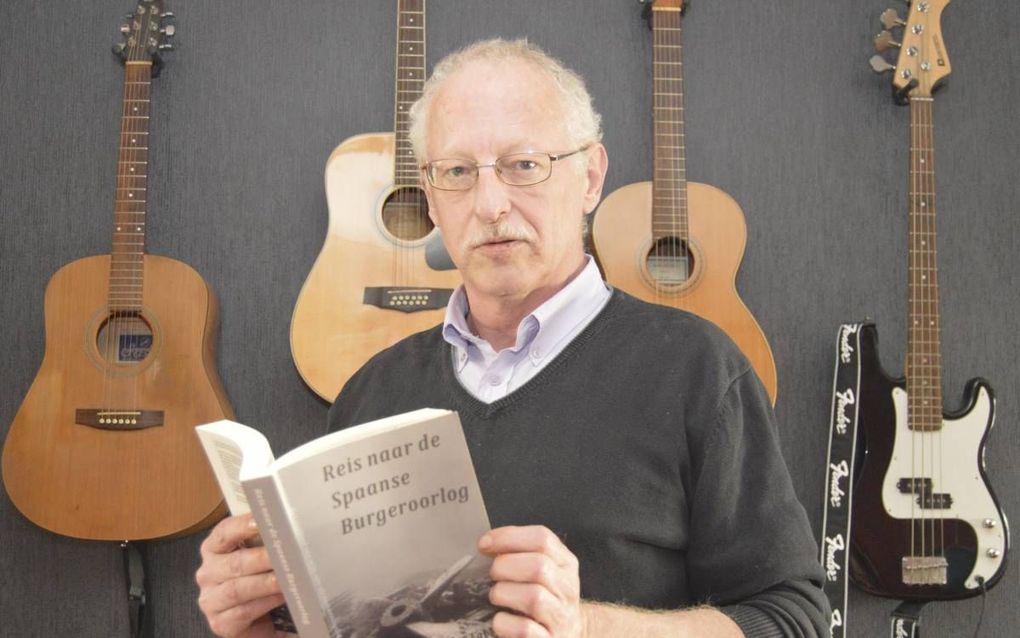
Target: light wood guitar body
(119,484)
(333,330)
(673,242)
(716,235)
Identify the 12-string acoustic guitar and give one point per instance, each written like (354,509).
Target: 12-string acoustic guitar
(926,524)
(103,446)
(376,279)
(674,242)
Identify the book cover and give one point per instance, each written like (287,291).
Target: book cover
(372,530)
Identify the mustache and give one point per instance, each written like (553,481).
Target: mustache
(500,231)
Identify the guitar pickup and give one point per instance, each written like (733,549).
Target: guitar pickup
(940,501)
(119,419)
(914,485)
(407,299)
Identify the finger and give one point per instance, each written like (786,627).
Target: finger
(534,602)
(532,538)
(237,592)
(562,582)
(250,618)
(507,625)
(229,534)
(218,568)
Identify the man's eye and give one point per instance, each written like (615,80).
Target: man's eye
(458,170)
(525,165)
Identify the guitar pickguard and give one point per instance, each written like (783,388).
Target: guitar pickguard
(950,459)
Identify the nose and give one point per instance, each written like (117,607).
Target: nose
(492,199)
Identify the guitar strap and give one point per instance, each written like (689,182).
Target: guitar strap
(134,575)
(835,545)
(905,620)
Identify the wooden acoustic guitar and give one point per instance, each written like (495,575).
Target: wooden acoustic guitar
(926,524)
(674,242)
(376,279)
(103,446)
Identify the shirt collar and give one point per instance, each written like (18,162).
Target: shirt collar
(545,327)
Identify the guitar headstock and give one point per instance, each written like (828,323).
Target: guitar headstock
(923,63)
(146,34)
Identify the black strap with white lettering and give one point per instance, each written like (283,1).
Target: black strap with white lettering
(905,620)
(835,545)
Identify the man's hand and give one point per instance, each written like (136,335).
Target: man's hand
(237,586)
(535,575)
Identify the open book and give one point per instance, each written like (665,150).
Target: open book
(372,531)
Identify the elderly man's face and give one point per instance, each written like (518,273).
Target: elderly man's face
(510,242)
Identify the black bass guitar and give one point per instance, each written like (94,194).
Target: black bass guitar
(926,524)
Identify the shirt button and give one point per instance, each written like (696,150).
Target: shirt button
(536,353)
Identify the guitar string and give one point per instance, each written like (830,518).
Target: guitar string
(670,193)
(935,337)
(663,171)
(113,321)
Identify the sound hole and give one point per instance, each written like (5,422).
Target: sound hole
(405,214)
(124,339)
(670,262)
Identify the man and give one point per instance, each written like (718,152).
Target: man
(626,452)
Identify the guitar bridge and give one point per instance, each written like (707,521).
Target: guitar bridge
(119,419)
(407,299)
(924,570)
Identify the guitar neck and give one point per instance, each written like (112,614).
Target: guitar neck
(923,366)
(127,254)
(669,183)
(410,77)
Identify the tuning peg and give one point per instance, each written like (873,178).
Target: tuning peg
(880,64)
(125,28)
(169,30)
(884,41)
(890,19)
(166,47)
(118,49)
(166,14)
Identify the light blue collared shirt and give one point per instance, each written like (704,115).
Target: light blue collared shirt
(491,375)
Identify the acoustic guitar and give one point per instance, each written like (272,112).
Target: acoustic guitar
(674,242)
(926,524)
(103,446)
(377,278)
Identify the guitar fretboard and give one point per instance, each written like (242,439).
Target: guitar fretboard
(126,259)
(669,183)
(923,366)
(410,77)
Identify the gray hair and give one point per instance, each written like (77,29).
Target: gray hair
(583,123)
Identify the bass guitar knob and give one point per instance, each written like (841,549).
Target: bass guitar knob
(989,523)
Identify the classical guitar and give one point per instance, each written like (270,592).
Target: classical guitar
(926,524)
(674,242)
(103,446)
(376,279)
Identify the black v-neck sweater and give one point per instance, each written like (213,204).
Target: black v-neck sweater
(649,446)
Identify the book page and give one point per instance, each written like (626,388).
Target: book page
(230,446)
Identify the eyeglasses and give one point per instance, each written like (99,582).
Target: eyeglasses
(515,169)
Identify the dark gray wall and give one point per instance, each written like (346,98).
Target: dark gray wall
(783,113)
